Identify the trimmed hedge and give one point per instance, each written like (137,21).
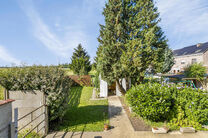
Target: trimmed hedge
(150,101)
(181,106)
(50,80)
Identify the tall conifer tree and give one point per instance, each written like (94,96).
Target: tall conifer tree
(130,41)
(80,61)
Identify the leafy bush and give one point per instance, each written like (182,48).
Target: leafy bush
(196,70)
(181,106)
(151,101)
(1,93)
(194,103)
(50,80)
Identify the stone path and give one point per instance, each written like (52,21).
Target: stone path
(122,127)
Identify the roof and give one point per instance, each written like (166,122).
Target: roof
(191,50)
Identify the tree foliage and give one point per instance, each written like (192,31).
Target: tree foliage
(196,70)
(130,41)
(80,61)
(168,61)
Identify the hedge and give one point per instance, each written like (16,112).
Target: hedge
(50,80)
(180,106)
(151,101)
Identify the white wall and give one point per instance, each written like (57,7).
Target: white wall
(118,93)
(5,119)
(103,88)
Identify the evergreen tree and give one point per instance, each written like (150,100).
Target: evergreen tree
(168,61)
(80,61)
(130,41)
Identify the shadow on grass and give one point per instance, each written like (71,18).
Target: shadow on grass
(87,115)
(74,98)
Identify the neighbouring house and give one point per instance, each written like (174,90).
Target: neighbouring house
(188,55)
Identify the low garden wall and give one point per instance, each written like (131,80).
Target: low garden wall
(26,102)
(6,118)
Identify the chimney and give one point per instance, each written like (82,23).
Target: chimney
(199,44)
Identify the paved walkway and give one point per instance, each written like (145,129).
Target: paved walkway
(122,127)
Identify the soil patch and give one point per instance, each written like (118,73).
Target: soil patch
(138,124)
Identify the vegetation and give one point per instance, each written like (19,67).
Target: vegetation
(150,101)
(130,41)
(84,114)
(31,135)
(80,61)
(178,106)
(50,80)
(1,93)
(197,71)
(168,61)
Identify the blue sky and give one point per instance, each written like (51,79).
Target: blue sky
(46,31)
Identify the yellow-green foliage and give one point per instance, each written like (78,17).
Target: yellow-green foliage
(1,93)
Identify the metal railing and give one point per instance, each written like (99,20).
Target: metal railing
(44,121)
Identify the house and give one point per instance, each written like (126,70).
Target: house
(188,55)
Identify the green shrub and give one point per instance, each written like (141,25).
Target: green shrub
(151,101)
(180,106)
(97,80)
(50,80)
(1,93)
(194,103)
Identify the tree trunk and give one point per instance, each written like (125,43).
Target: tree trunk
(120,88)
(141,78)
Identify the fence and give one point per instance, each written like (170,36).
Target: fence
(40,126)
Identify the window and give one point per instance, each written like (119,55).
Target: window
(193,60)
(183,62)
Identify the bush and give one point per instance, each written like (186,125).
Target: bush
(151,101)
(181,106)
(194,103)
(50,80)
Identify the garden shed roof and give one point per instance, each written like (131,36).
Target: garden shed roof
(194,49)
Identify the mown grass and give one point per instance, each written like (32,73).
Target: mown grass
(84,114)
(31,135)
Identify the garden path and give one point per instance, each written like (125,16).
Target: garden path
(122,128)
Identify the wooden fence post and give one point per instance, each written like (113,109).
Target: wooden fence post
(16,122)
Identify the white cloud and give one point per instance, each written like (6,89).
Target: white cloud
(43,33)
(184,21)
(6,57)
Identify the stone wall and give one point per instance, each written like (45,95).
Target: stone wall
(5,118)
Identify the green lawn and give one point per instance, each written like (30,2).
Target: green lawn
(1,93)
(84,114)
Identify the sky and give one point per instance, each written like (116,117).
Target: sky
(47,31)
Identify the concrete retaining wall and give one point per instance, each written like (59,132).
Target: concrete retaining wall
(27,101)
(5,118)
